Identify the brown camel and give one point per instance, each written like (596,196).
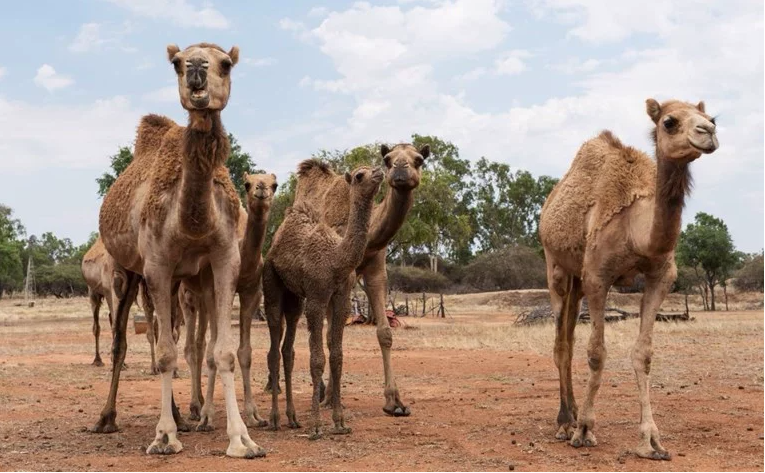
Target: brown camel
(171,215)
(260,190)
(310,264)
(615,214)
(97,269)
(330,194)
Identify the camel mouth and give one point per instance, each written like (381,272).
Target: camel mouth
(200,98)
(706,148)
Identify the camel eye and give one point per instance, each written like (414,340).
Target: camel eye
(225,66)
(359,176)
(386,160)
(247,186)
(274,186)
(418,161)
(670,123)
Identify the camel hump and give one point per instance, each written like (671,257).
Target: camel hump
(151,130)
(629,153)
(313,165)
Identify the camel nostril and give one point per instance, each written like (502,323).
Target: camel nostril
(707,129)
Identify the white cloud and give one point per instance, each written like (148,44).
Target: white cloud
(48,78)
(574,65)
(512,63)
(318,11)
(48,137)
(3,72)
(471,75)
(179,12)
(97,36)
(168,94)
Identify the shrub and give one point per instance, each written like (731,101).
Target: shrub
(411,279)
(513,267)
(750,276)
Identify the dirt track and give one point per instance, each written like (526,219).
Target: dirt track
(483,393)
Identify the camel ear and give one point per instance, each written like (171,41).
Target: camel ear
(172,50)
(246,175)
(384,150)
(701,107)
(234,55)
(347,177)
(654,109)
(425,151)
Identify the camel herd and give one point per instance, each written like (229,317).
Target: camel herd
(172,228)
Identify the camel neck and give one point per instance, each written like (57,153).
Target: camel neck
(388,218)
(673,183)
(205,147)
(254,235)
(354,243)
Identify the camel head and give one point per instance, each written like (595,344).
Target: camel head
(204,75)
(260,190)
(365,181)
(404,165)
(683,131)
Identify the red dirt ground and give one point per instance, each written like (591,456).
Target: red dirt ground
(485,408)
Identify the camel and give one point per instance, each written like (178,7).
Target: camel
(171,215)
(615,214)
(310,265)
(97,268)
(331,194)
(260,190)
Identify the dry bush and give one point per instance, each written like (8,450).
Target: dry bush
(750,276)
(411,279)
(513,267)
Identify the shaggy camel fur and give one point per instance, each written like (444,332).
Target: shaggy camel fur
(171,215)
(330,194)
(615,214)
(260,190)
(310,264)
(97,269)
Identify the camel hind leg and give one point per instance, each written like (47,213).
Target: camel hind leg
(273,298)
(95,307)
(151,331)
(565,295)
(248,302)
(293,307)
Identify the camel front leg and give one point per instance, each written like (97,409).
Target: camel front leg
(225,267)
(292,307)
(189,305)
(106,423)
(151,335)
(375,283)
(340,309)
(160,288)
(656,289)
(95,307)
(596,290)
(206,314)
(314,313)
(248,301)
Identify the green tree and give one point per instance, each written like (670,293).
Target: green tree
(508,205)
(238,163)
(11,264)
(750,276)
(707,246)
(118,163)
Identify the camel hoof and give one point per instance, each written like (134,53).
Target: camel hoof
(654,454)
(398,411)
(183,426)
(293,424)
(246,452)
(205,425)
(164,446)
(256,423)
(97,362)
(565,432)
(106,424)
(343,430)
(315,435)
(154,370)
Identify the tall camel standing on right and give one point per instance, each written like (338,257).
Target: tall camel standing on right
(330,194)
(171,215)
(616,214)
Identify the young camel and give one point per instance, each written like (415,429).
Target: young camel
(97,269)
(330,194)
(260,190)
(171,215)
(615,214)
(309,263)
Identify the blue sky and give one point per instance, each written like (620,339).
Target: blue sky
(522,82)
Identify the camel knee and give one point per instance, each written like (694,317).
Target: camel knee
(244,354)
(561,353)
(385,337)
(223,359)
(641,359)
(596,357)
(167,359)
